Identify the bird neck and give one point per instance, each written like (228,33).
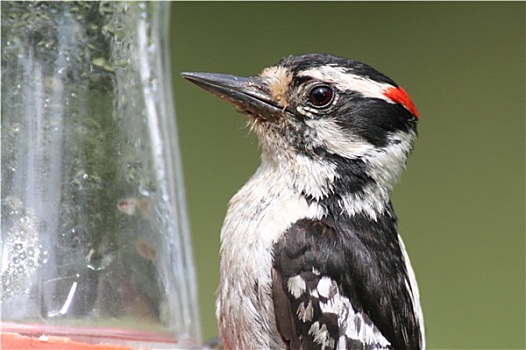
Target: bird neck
(356,182)
(342,186)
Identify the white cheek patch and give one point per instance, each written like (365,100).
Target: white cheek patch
(338,141)
(386,164)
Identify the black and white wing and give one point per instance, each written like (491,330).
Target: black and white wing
(332,290)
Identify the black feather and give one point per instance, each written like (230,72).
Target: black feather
(366,261)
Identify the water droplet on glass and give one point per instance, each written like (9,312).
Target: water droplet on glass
(99,264)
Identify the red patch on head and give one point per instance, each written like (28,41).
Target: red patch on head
(398,95)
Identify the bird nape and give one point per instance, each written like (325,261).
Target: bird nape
(311,257)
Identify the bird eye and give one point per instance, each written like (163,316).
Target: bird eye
(321,96)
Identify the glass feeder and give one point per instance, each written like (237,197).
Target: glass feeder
(95,240)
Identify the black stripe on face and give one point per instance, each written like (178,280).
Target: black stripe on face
(371,119)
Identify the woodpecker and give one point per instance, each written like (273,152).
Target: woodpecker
(311,257)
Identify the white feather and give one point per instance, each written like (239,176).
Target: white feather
(296,286)
(354,325)
(321,335)
(337,141)
(257,217)
(412,288)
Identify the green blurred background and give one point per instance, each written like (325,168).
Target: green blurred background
(461,201)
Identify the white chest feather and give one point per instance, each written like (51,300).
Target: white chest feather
(257,217)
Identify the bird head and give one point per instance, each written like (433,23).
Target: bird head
(336,112)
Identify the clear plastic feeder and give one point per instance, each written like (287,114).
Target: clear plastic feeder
(95,240)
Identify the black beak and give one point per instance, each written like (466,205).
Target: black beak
(247,94)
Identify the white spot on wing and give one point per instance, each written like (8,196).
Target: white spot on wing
(296,286)
(305,313)
(321,335)
(342,343)
(325,287)
(352,324)
(362,329)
